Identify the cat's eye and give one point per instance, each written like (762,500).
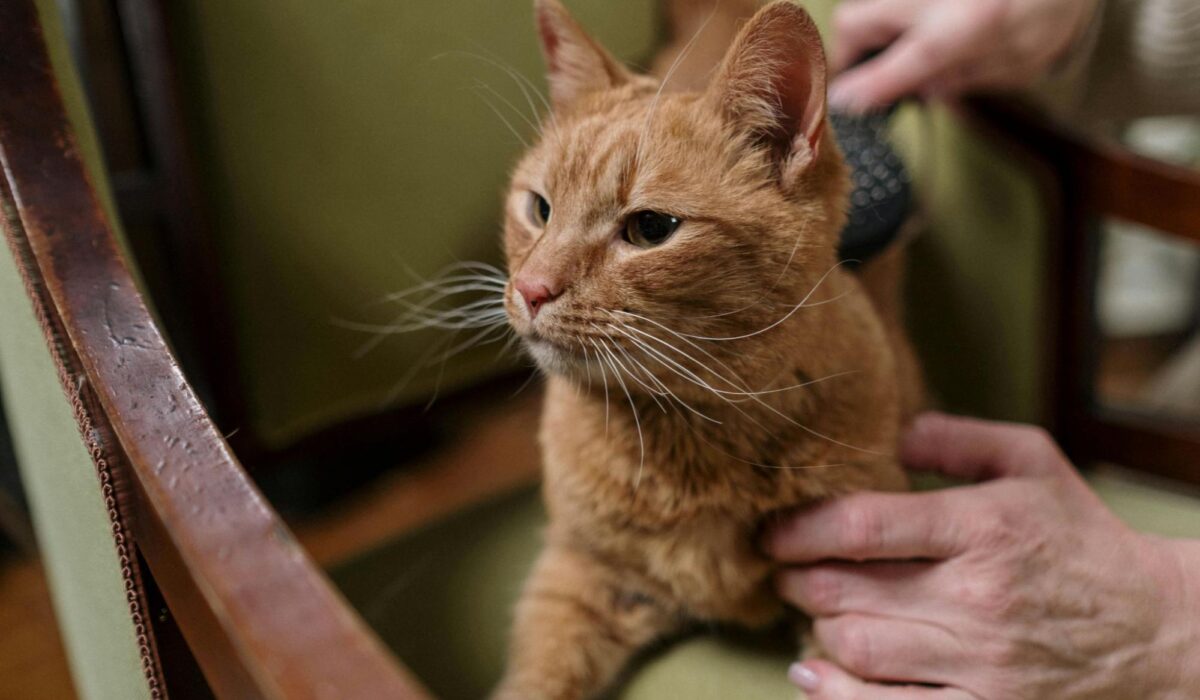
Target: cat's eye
(539,210)
(646,229)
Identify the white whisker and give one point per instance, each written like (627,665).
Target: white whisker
(638,423)
(803,303)
(484,86)
(758,399)
(498,113)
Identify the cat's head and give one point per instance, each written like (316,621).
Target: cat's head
(645,218)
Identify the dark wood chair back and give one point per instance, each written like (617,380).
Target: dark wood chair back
(1086,182)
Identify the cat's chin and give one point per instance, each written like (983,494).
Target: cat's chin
(553,358)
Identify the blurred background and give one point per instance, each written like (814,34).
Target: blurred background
(279,169)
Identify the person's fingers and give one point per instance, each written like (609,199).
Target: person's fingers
(978,450)
(900,71)
(950,36)
(890,649)
(837,588)
(822,680)
(861,26)
(867,525)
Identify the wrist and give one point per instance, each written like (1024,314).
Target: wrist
(1179,638)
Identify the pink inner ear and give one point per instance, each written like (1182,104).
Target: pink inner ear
(802,100)
(550,40)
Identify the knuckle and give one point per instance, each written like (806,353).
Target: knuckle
(1035,447)
(1004,655)
(1000,655)
(862,529)
(998,528)
(988,598)
(988,525)
(822,591)
(1037,440)
(927,56)
(851,647)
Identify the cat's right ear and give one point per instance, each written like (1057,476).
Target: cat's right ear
(575,64)
(771,86)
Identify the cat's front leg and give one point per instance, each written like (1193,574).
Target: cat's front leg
(577,625)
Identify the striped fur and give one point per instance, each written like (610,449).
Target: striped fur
(697,387)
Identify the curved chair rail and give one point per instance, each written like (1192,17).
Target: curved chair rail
(1085,181)
(260,618)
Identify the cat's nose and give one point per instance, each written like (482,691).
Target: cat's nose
(536,292)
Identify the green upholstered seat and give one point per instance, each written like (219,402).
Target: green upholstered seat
(442,597)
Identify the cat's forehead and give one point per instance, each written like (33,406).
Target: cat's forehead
(612,150)
(591,151)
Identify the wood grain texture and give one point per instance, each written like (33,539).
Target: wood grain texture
(261,619)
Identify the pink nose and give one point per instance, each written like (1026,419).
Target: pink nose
(536,292)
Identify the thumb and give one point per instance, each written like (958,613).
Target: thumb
(978,450)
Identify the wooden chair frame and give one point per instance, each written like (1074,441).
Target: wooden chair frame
(259,618)
(1083,182)
(247,607)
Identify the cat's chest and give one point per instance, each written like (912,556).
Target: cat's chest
(706,558)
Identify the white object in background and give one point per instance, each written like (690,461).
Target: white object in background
(1148,282)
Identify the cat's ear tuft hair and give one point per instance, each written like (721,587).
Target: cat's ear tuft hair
(575,64)
(772,84)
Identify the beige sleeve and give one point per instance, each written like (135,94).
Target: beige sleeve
(1139,58)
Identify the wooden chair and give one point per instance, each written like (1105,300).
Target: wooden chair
(209,577)
(212,593)
(1083,182)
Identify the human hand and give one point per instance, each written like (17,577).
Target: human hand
(941,48)
(1021,586)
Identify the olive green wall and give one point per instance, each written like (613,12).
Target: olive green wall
(344,142)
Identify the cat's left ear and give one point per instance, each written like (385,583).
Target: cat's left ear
(575,64)
(772,85)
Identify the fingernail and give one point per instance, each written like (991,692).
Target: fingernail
(805,677)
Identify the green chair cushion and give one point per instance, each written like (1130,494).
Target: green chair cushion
(442,599)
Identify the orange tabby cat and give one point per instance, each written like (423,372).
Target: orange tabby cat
(673,271)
